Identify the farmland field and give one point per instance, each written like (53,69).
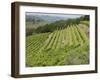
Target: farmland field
(67,45)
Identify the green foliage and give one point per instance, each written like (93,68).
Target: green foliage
(85,23)
(57,25)
(40,26)
(32,26)
(29,31)
(85,18)
(64,46)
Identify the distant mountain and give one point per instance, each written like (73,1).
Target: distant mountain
(53,18)
(47,18)
(33,18)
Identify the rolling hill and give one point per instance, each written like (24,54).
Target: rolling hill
(68,45)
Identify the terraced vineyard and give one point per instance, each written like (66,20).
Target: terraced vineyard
(68,46)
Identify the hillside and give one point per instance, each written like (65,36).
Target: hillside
(64,46)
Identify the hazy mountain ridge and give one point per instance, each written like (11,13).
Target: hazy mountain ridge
(47,18)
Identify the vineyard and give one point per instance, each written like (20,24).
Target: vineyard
(64,46)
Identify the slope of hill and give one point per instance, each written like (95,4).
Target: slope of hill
(68,46)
